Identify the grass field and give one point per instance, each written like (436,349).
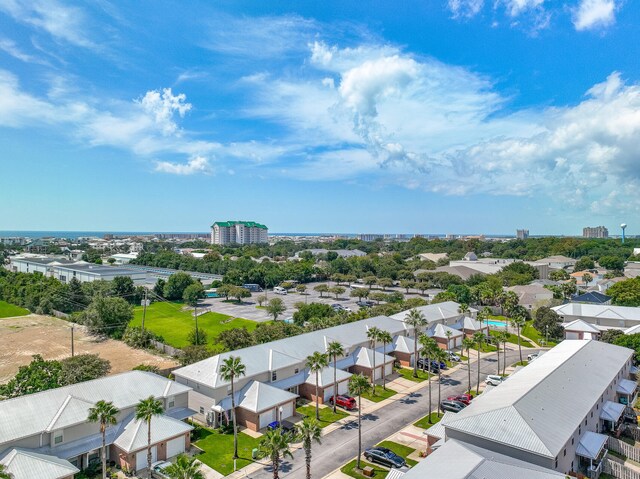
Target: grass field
(407,373)
(169,321)
(534,335)
(513,339)
(218,450)
(350,470)
(424,422)
(8,310)
(326,414)
(381,394)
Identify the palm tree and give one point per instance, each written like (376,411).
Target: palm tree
(358,386)
(232,368)
(504,337)
(106,414)
(518,322)
(440,356)
(468,343)
(274,443)
(4,474)
(308,431)
(429,346)
(496,340)
(415,319)
(316,363)
(374,334)
(146,409)
(448,333)
(335,349)
(386,338)
(185,467)
(479,339)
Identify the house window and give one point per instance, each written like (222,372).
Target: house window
(274,375)
(572,445)
(556,462)
(201,410)
(591,413)
(296,371)
(565,453)
(57,439)
(172,403)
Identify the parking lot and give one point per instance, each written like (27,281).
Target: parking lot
(248,308)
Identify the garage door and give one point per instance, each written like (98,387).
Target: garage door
(175,446)
(389,368)
(267,417)
(287,410)
(141,458)
(343,387)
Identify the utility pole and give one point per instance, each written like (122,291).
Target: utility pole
(144,308)
(195,310)
(72,348)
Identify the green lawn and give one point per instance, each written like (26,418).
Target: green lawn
(407,373)
(218,450)
(424,422)
(174,325)
(381,394)
(487,348)
(401,450)
(326,414)
(8,310)
(513,338)
(350,470)
(534,335)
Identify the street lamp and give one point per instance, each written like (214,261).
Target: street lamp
(280,410)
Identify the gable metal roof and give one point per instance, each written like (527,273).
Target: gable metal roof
(24,464)
(257,397)
(135,434)
(540,408)
(45,411)
(587,310)
(581,326)
(435,312)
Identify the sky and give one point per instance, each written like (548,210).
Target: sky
(419,116)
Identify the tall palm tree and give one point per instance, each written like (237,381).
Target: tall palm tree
(232,368)
(4,474)
(440,356)
(496,340)
(335,349)
(429,346)
(479,339)
(106,414)
(386,338)
(358,386)
(504,337)
(146,409)
(468,343)
(415,319)
(518,322)
(185,467)
(373,334)
(274,444)
(316,363)
(308,431)
(448,333)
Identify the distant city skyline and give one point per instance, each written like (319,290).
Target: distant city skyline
(439,116)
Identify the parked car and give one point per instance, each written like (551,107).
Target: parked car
(453,406)
(384,456)
(533,356)
(365,303)
(466,396)
(453,356)
(286,426)
(279,290)
(424,364)
(158,468)
(463,398)
(345,402)
(494,380)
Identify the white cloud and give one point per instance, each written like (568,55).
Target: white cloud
(465,8)
(163,105)
(517,7)
(9,47)
(592,14)
(63,22)
(198,164)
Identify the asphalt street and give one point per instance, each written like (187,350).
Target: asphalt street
(341,445)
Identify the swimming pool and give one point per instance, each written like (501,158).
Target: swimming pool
(496,324)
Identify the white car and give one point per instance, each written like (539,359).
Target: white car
(453,356)
(494,379)
(533,356)
(158,468)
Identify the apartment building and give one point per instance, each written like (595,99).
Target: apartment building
(47,434)
(553,414)
(276,373)
(595,232)
(602,316)
(238,232)
(522,234)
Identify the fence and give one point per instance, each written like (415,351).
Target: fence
(60,314)
(618,470)
(633,431)
(621,447)
(166,349)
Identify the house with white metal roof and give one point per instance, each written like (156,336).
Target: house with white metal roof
(580,329)
(543,413)
(51,427)
(602,316)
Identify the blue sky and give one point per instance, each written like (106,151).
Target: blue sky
(469,116)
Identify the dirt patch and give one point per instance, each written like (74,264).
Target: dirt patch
(22,337)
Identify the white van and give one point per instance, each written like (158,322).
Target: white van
(279,290)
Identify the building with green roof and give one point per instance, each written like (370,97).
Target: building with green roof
(238,232)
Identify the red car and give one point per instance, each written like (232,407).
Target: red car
(463,398)
(345,402)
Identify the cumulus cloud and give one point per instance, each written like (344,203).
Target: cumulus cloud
(465,8)
(516,7)
(198,164)
(592,14)
(162,105)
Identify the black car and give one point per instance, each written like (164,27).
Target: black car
(435,365)
(453,406)
(365,303)
(384,456)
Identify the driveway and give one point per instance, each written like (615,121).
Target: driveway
(340,446)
